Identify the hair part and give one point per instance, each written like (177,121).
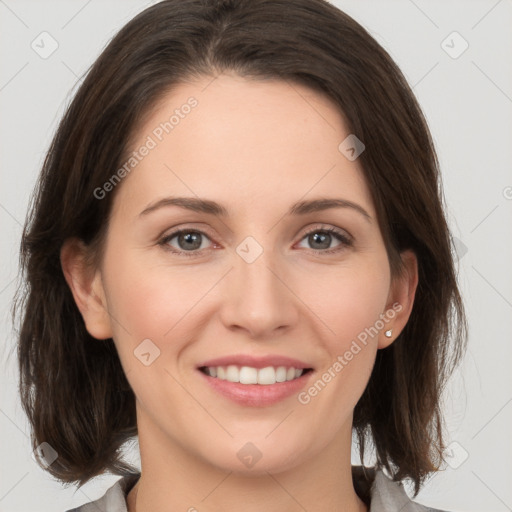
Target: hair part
(72,386)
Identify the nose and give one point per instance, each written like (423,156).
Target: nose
(257,297)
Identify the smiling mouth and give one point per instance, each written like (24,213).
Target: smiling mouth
(249,375)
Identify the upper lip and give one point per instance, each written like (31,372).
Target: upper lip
(255,361)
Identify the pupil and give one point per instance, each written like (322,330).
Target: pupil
(191,238)
(322,237)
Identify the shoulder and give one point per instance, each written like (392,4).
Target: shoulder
(383,494)
(114,498)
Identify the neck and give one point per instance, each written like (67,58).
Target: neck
(174,479)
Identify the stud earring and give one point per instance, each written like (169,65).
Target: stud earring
(388,333)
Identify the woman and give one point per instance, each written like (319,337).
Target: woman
(238,253)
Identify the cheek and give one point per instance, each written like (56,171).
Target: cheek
(156,302)
(350,305)
(149,299)
(348,301)
(152,312)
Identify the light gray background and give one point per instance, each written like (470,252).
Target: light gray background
(468,104)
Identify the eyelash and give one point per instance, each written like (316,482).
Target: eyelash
(344,239)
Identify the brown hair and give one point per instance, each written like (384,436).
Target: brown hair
(73,388)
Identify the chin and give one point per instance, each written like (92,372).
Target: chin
(258,458)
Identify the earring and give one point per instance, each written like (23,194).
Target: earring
(388,333)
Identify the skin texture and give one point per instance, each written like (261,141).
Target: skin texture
(256,147)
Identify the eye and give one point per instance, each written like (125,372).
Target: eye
(320,240)
(189,242)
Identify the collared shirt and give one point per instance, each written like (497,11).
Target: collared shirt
(377,490)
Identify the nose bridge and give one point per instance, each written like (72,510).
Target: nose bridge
(258,300)
(253,272)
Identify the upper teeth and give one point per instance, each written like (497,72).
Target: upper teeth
(249,375)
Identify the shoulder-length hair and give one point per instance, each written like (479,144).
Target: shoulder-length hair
(73,388)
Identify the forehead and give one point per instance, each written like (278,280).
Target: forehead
(241,140)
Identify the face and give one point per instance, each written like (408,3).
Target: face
(259,281)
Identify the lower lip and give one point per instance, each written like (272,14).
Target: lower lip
(257,395)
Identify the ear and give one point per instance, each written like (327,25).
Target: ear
(87,288)
(400,299)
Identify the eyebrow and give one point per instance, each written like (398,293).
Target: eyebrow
(214,208)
